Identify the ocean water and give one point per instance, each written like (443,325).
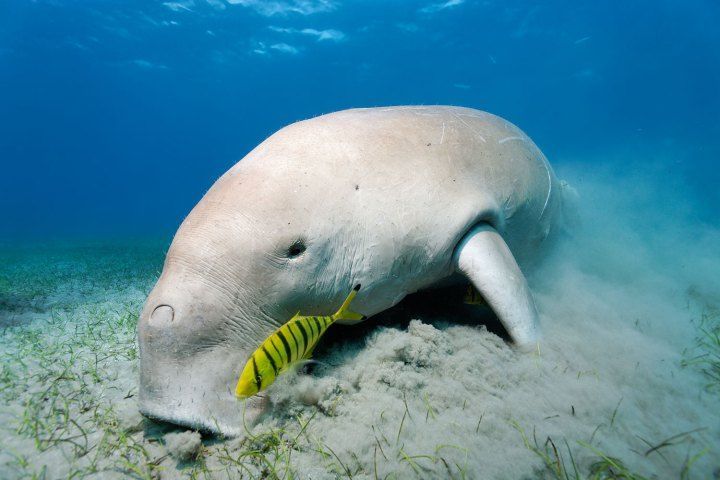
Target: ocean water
(116,117)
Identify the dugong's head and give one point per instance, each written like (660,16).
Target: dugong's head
(269,239)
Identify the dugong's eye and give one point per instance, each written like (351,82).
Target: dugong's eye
(296,249)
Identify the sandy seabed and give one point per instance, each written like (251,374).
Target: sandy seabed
(625,382)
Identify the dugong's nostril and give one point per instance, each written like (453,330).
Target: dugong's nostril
(162,316)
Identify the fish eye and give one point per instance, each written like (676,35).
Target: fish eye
(296,249)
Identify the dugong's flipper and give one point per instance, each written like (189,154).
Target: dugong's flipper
(485,259)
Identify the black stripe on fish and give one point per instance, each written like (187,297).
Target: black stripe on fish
(304,334)
(257,378)
(272,360)
(316,323)
(313,333)
(320,328)
(286,346)
(295,342)
(280,355)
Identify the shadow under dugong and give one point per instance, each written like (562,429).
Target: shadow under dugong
(398,199)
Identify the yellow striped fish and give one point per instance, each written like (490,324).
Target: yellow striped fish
(473,297)
(287,345)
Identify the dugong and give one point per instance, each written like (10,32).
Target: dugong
(398,199)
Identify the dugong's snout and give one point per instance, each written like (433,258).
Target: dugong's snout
(187,373)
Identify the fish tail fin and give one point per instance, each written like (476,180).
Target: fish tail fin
(344,313)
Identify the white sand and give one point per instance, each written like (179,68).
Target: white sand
(620,304)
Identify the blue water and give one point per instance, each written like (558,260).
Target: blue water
(115,117)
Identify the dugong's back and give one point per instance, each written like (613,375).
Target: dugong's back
(430,172)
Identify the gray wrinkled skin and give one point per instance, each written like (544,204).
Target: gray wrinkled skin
(378,196)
